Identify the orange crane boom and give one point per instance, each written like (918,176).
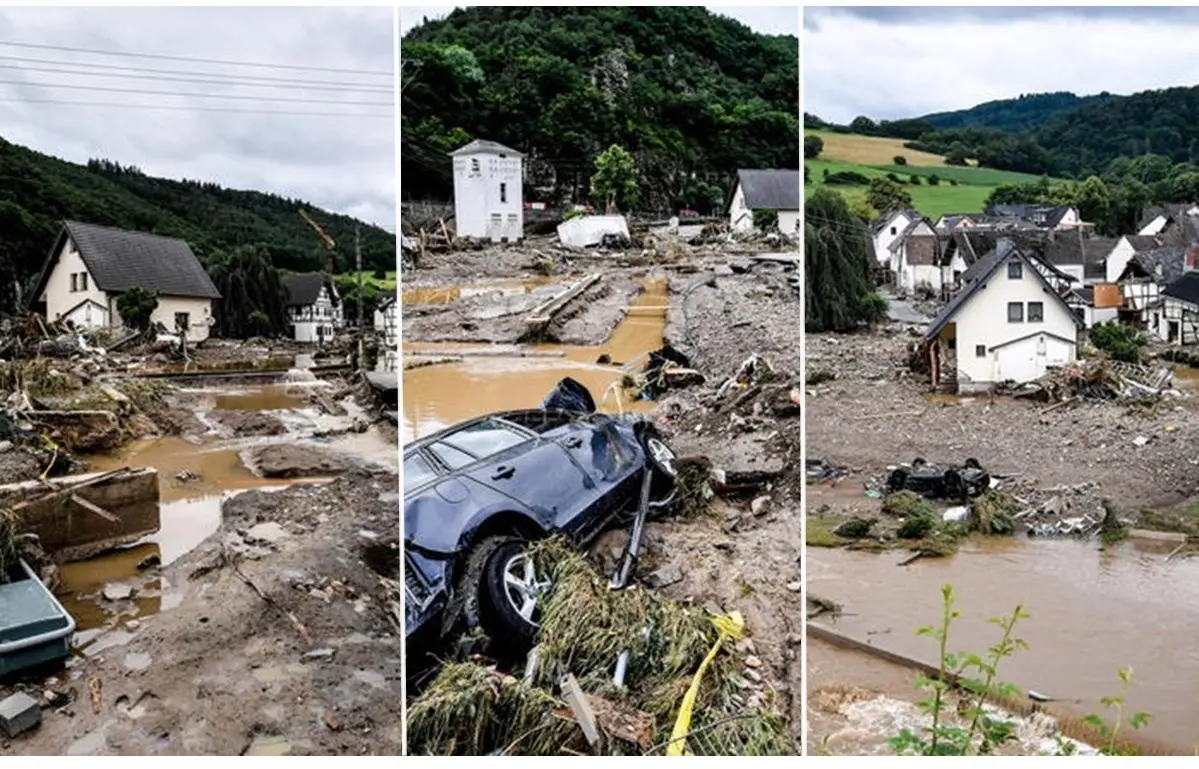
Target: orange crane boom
(329,244)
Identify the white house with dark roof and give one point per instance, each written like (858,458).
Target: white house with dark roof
(314,307)
(488,192)
(90,266)
(1178,312)
(888,229)
(764,189)
(1141,284)
(386,316)
(1041,216)
(1124,249)
(1156,219)
(1006,324)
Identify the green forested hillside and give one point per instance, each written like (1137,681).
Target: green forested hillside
(1023,112)
(38,191)
(693,96)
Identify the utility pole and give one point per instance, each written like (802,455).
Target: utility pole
(358,266)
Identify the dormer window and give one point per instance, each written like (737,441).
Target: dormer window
(1015,270)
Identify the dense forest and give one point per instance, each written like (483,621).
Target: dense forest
(692,96)
(38,191)
(1019,114)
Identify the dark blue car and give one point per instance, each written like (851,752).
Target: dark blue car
(476,494)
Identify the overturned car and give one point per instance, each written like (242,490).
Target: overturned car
(941,482)
(478,493)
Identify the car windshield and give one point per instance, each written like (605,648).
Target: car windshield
(417,471)
(484,438)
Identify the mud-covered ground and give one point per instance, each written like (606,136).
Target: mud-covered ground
(286,637)
(875,414)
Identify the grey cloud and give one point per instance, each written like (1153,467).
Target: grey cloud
(344,163)
(909,14)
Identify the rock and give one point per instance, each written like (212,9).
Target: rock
(149,562)
(664,577)
(117,592)
(795,587)
(19,713)
(753,662)
(5,447)
(248,423)
(132,625)
(760,506)
(268,745)
(1139,441)
(268,532)
(753,675)
(319,655)
(292,461)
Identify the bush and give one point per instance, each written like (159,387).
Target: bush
(956,159)
(766,219)
(953,182)
(1123,343)
(899,160)
(894,177)
(812,146)
(934,180)
(846,177)
(380,274)
(916,527)
(136,305)
(914,180)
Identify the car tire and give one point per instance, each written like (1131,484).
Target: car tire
(974,464)
(898,480)
(660,458)
(955,485)
(499,616)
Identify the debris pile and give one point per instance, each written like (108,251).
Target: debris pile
(571,697)
(1095,379)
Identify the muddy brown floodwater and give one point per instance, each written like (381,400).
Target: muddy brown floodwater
(440,395)
(1091,613)
(195,476)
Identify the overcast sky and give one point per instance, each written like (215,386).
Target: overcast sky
(764,19)
(888,62)
(342,161)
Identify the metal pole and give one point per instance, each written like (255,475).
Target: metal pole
(358,266)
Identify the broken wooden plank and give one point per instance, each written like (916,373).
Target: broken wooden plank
(543,313)
(93,508)
(584,715)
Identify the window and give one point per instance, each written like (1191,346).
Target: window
(452,457)
(485,438)
(503,192)
(1015,312)
(474,166)
(83,281)
(1036,312)
(417,471)
(980,351)
(1015,270)
(182,321)
(893,231)
(74,282)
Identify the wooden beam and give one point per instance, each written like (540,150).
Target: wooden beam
(91,507)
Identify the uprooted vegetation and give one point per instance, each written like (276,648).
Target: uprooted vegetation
(471,708)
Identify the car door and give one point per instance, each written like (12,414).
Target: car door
(603,457)
(531,469)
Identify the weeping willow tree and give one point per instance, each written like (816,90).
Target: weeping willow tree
(839,291)
(253,301)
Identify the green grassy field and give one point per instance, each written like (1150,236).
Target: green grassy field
(368,278)
(873,156)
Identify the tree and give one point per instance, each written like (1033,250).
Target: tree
(862,210)
(813,145)
(253,301)
(136,305)
(933,180)
(839,293)
(766,219)
(884,195)
(899,160)
(914,180)
(615,179)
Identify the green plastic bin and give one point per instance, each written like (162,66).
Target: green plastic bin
(34,627)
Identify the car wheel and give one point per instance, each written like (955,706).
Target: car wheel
(974,464)
(955,485)
(919,462)
(509,594)
(661,459)
(898,480)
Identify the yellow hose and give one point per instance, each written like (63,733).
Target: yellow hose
(729,626)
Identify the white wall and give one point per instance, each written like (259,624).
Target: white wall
(888,235)
(318,321)
(1154,227)
(741,219)
(983,321)
(1184,315)
(89,315)
(199,311)
(789,222)
(908,276)
(58,296)
(488,197)
(1119,257)
(1070,220)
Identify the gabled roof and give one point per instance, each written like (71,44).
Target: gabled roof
(1168,210)
(987,267)
(1163,265)
(902,236)
(1184,288)
(768,188)
(483,146)
(881,222)
(1144,242)
(119,260)
(1094,257)
(1052,215)
(304,289)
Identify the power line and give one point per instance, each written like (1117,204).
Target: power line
(197,60)
(182,108)
(242,97)
(210,78)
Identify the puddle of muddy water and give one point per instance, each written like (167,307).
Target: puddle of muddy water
(447,294)
(441,395)
(1091,613)
(190,510)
